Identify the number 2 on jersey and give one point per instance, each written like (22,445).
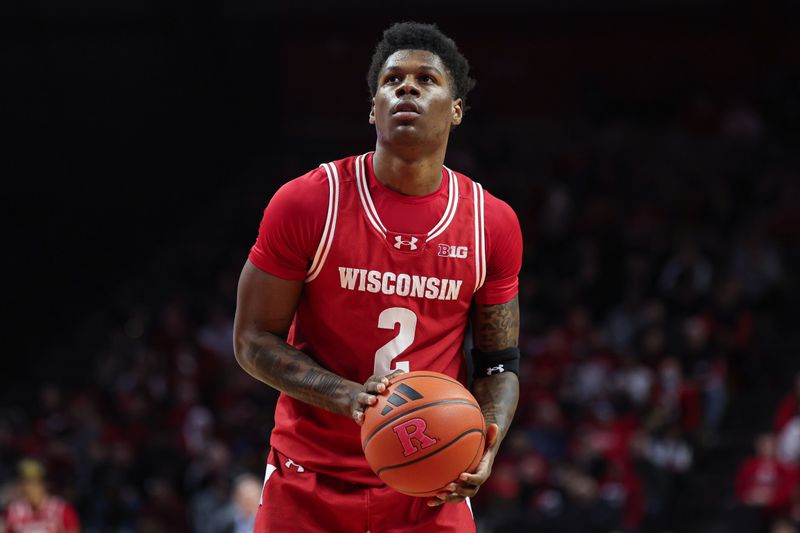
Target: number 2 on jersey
(388,319)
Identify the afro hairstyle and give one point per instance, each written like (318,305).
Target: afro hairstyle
(418,36)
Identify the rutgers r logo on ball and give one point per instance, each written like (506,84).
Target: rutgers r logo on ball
(412,436)
(449,250)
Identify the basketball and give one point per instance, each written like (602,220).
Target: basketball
(423,432)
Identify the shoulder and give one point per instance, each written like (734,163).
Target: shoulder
(305,188)
(304,196)
(312,190)
(497,212)
(498,215)
(17,507)
(56,504)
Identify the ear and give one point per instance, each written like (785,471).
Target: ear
(372,113)
(458,112)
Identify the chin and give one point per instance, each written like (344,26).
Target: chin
(404,133)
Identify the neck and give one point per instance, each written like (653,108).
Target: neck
(36,501)
(413,174)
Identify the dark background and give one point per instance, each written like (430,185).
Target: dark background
(143,140)
(128,122)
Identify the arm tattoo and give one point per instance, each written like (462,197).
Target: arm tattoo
(496,326)
(324,383)
(270,359)
(497,396)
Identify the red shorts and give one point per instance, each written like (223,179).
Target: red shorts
(297,500)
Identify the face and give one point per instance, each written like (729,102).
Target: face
(414,101)
(765,446)
(33,490)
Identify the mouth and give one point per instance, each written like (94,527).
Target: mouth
(405,107)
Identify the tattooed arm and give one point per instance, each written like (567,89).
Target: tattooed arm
(495,327)
(265,308)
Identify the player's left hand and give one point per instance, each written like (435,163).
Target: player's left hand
(468,484)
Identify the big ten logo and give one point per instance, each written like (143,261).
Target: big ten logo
(449,250)
(412,436)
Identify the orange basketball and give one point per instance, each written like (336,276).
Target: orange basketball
(423,432)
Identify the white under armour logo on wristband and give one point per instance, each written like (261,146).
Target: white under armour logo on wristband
(495,370)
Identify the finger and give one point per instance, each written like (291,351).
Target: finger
(441,499)
(366,400)
(395,372)
(480,475)
(376,385)
(482,471)
(472,480)
(466,490)
(458,489)
(358,416)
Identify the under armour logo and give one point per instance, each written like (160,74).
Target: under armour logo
(495,370)
(411,243)
(291,463)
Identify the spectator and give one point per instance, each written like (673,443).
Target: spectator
(757,265)
(239,516)
(686,278)
(789,406)
(763,484)
(783,526)
(787,426)
(667,458)
(37,511)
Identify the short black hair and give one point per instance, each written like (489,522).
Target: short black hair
(418,36)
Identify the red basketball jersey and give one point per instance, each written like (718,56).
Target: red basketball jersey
(54,515)
(376,300)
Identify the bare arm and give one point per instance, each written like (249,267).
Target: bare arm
(264,311)
(496,327)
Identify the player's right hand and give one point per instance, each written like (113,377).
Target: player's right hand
(368,396)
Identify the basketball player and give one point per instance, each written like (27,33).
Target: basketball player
(373,264)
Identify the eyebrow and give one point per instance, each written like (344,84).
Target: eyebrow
(394,68)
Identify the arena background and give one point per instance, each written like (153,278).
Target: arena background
(650,149)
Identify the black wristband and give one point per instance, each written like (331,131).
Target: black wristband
(491,363)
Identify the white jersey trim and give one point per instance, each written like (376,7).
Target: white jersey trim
(452,203)
(372,213)
(483,239)
(330,222)
(268,474)
(366,198)
(480,236)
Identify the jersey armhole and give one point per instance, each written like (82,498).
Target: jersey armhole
(480,236)
(326,240)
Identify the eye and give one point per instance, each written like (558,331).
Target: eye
(426,79)
(391,78)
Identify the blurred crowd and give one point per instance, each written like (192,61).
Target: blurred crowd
(654,306)
(654,311)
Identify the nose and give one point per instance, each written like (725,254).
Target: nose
(408,86)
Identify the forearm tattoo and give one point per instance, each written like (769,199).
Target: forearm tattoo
(498,396)
(276,363)
(496,326)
